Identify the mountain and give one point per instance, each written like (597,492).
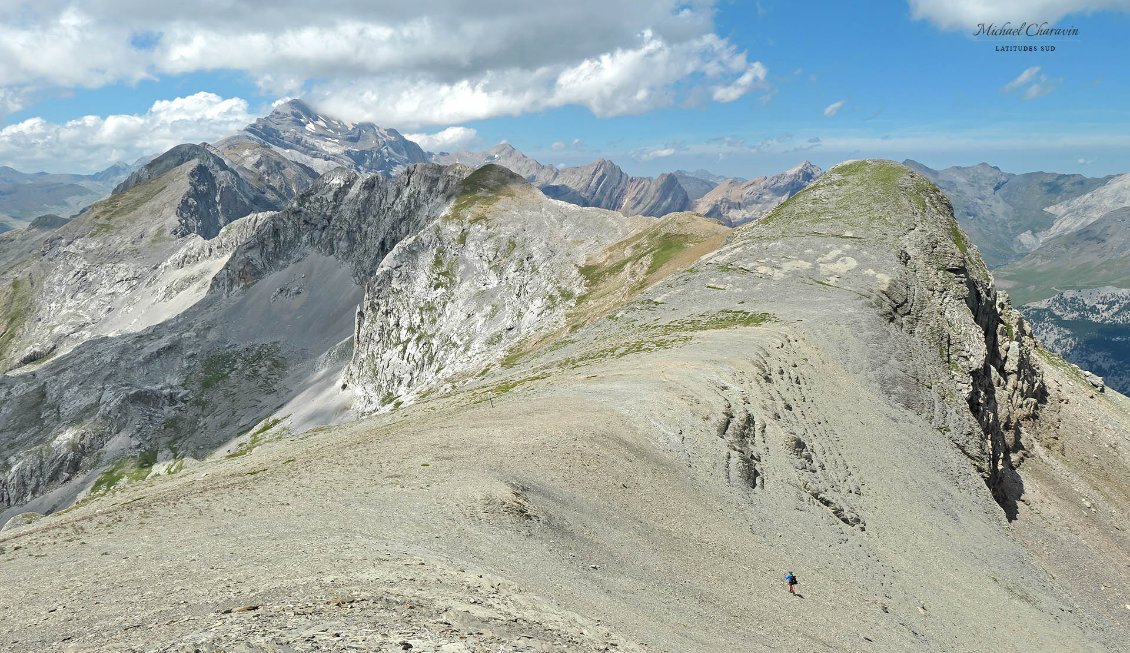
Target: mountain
(1006,214)
(1067,285)
(1078,212)
(697,183)
(737,202)
(277,177)
(441,411)
(601,184)
(1088,327)
(298,133)
(705,175)
(26,195)
(1094,255)
(105,271)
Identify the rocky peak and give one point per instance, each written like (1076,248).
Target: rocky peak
(215,194)
(113,173)
(175,157)
(48,222)
(298,132)
(804,169)
(295,111)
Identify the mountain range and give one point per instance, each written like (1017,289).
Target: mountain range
(605,185)
(298,390)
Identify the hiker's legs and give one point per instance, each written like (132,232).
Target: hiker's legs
(792,589)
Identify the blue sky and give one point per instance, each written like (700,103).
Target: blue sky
(738,88)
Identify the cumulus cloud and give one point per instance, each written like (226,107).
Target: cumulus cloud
(832,109)
(753,77)
(560,146)
(963,14)
(410,65)
(628,80)
(446,140)
(1038,84)
(92,142)
(652,153)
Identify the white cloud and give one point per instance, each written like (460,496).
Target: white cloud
(11,101)
(650,154)
(1038,83)
(1040,89)
(92,142)
(622,82)
(753,77)
(834,108)
(409,65)
(965,14)
(446,140)
(576,145)
(1021,79)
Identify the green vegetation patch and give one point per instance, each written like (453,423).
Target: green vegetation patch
(860,194)
(15,305)
(133,468)
(725,319)
(959,238)
(658,246)
(510,384)
(445,270)
(480,191)
(261,363)
(258,437)
(105,216)
(655,337)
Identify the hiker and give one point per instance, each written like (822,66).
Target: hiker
(790,578)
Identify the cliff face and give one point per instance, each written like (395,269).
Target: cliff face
(353,218)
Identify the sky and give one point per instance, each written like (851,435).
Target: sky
(739,88)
